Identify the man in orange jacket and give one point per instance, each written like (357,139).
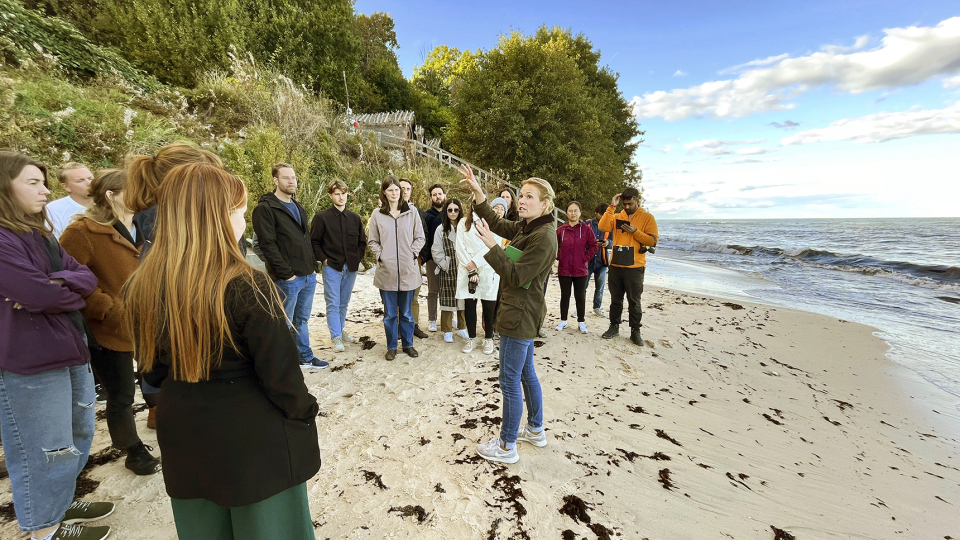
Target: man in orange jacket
(633,232)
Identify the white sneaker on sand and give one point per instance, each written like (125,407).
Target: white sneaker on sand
(583,328)
(338,344)
(599,313)
(537,439)
(494,452)
(448,337)
(562,325)
(469,346)
(432,326)
(464,334)
(346,338)
(488,346)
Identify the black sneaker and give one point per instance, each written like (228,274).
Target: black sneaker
(635,336)
(419,333)
(81,511)
(611,332)
(101,394)
(140,461)
(77,532)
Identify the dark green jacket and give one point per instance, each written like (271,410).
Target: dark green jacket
(522,310)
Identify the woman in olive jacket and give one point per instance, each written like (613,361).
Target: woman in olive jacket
(523,307)
(237,428)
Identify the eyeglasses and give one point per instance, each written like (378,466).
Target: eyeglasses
(453,211)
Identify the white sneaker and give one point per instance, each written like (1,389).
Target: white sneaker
(464,334)
(346,338)
(488,346)
(448,337)
(338,344)
(562,325)
(432,326)
(469,346)
(599,312)
(583,328)
(494,452)
(537,439)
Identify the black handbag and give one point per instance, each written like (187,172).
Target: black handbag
(623,256)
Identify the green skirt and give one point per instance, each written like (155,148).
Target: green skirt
(285,516)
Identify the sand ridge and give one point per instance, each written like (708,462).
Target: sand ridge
(735,421)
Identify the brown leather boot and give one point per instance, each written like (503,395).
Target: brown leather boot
(152,418)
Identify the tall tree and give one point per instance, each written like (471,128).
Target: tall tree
(541,106)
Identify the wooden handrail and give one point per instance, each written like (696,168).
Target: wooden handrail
(453,161)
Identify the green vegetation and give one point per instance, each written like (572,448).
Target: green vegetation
(260,81)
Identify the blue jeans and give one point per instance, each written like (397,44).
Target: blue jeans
(337,286)
(297,296)
(47,425)
(599,281)
(518,381)
(393,301)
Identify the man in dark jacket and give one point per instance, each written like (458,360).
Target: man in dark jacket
(432,219)
(339,243)
(281,226)
(600,260)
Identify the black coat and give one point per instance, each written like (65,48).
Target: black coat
(284,242)
(338,237)
(249,432)
(431,220)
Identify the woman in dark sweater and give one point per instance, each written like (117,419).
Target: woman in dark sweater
(523,308)
(238,427)
(46,388)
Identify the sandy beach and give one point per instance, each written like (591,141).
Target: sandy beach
(736,421)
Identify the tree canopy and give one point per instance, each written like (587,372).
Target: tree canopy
(542,106)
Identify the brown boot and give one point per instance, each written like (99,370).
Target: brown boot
(152,418)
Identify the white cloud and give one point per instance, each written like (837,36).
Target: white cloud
(905,56)
(679,74)
(952,82)
(751,151)
(717,147)
(884,126)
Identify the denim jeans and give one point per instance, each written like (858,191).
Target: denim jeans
(599,281)
(337,286)
(297,296)
(518,381)
(393,301)
(47,425)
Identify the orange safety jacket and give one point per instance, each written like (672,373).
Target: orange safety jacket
(646,234)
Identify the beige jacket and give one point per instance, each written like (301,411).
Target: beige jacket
(396,243)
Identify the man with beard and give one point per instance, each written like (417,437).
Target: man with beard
(431,220)
(283,231)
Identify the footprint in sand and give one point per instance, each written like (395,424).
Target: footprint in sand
(629,371)
(665,343)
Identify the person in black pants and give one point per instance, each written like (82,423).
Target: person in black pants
(577,244)
(101,240)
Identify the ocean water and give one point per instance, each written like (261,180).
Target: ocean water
(901,276)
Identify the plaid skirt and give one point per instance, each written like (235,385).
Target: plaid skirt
(448,279)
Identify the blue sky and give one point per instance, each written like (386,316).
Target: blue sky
(758,109)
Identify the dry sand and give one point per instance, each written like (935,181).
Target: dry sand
(734,420)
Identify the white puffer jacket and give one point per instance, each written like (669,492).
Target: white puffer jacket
(471,248)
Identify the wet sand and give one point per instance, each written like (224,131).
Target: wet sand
(735,421)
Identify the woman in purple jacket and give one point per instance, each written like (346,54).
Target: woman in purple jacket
(576,246)
(46,386)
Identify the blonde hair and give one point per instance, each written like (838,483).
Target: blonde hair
(102,210)
(544,189)
(12,216)
(146,173)
(67,167)
(176,296)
